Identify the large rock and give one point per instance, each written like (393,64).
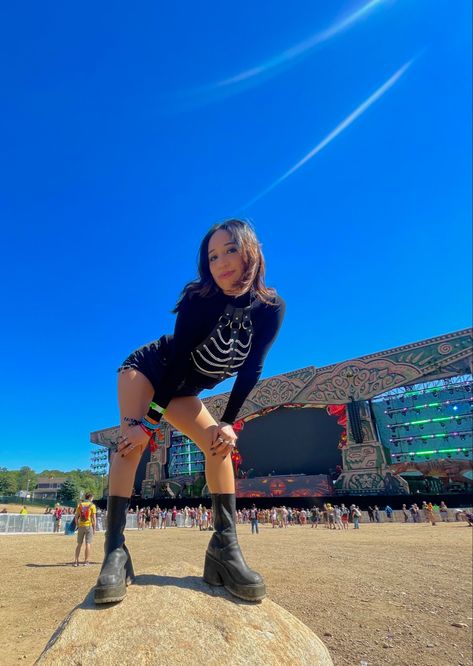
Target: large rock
(175,619)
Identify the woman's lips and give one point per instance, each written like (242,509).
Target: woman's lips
(226,275)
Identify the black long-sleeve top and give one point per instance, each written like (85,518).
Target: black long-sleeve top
(218,337)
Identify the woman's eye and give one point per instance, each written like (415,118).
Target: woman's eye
(231,249)
(212,258)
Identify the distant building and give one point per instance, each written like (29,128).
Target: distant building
(47,488)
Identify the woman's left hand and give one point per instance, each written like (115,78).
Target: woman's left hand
(223,440)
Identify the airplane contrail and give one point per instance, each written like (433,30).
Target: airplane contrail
(255,75)
(301,48)
(338,130)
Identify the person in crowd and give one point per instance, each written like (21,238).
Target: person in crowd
(337,517)
(356,515)
(389,512)
(429,513)
(443,511)
(140,519)
(371,514)
(284,514)
(205,518)
(405,513)
(469,518)
(290,516)
(57,515)
(345,515)
(314,517)
(154,518)
(376,515)
(85,519)
(254,520)
(164,518)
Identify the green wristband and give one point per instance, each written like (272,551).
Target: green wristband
(156,408)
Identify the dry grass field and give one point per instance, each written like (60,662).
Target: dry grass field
(384,594)
(16,508)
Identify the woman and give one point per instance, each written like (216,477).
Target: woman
(227,320)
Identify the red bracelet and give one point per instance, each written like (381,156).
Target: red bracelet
(146,430)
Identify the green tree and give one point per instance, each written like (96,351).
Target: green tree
(87,482)
(69,492)
(26,478)
(7,483)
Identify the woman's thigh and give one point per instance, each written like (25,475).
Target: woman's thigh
(191,417)
(135,392)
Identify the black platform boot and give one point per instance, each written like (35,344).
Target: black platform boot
(117,568)
(224,562)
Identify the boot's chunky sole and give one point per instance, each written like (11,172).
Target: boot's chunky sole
(216,574)
(107,595)
(124,575)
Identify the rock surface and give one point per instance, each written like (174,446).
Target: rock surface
(175,619)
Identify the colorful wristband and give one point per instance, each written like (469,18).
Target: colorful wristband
(148,424)
(155,411)
(146,430)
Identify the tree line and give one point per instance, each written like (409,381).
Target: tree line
(78,482)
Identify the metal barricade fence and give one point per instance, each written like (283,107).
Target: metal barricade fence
(15,523)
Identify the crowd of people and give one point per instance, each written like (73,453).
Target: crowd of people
(330,516)
(160,518)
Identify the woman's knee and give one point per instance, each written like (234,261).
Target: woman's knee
(125,463)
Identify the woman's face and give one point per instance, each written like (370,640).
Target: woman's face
(225,261)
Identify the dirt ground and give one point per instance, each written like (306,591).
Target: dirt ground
(384,594)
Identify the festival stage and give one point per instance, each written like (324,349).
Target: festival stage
(394,423)
(281,487)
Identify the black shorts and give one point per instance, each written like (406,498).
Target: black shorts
(151,360)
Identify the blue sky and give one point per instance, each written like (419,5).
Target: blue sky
(342,129)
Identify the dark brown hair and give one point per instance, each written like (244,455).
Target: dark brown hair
(245,239)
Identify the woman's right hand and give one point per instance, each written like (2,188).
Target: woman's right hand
(131,439)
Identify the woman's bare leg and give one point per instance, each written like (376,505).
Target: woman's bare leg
(135,392)
(224,562)
(191,417)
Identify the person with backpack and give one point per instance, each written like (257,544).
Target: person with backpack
(356,515)
(85,518)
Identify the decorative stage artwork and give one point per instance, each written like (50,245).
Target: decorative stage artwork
(317,485)
(458,471)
